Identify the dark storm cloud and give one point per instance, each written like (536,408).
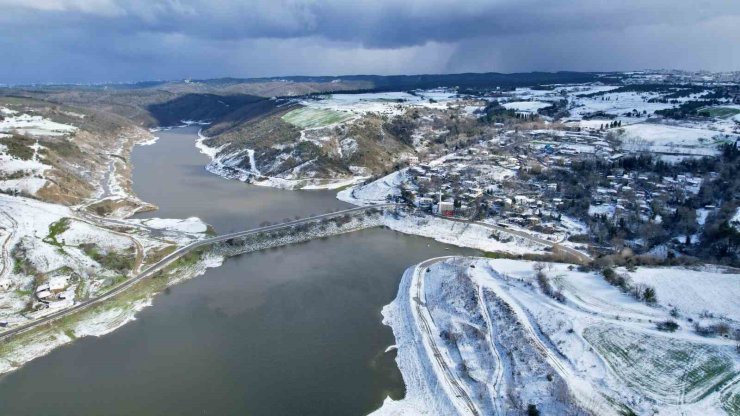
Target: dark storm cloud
(77,40)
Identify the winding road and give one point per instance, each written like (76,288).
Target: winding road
(426,322)
(419,304)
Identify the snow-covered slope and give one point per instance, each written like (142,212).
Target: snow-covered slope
(488,327)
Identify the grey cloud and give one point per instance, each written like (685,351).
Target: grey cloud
(380,23)
(67,40)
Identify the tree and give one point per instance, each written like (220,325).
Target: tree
(648,295)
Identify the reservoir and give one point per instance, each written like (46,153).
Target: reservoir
(294,330)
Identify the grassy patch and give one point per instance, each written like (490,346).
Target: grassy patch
(187,260)
(112,282)
(621,408)
(112,260)
(107,206)
(308,117)
(153,256)
(21,265)
(730,401)
(55,229)
(22,292)
(81,291)
(721,112)
(663,367)
(549,257)
(18,146)
(342,188)
(63,148)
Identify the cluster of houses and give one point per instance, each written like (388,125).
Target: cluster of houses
(560,146)
(53,292)
(482,181)
(629,193)
(457,184)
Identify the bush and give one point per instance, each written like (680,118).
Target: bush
(19,147)
(544,283)
(609,275)
(668,326)
(649,296)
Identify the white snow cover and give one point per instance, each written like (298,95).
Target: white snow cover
(375,192)
(29,125)
(29,222)
(149,142)
(28,175)
(424,394)
(526,106)
(599,341)
(617,104)
(225,166)
(671,139)
(606,209)
(476,236)
(25,224)
(388,103)
(694,291)
(188,225)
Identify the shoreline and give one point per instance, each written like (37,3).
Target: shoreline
(121,203)
(218,167)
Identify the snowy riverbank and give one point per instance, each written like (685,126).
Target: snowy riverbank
(482,334)
(229,166)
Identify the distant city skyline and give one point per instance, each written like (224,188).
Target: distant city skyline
(93,41)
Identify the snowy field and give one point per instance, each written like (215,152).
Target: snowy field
(27,175)
(694,291)
(462,234)
(509,345)
(525,106)
(376,192)
(388,103)
(22,175)
(308,117)
(26,124)
(671,139)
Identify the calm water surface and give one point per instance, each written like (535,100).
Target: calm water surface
(288,331)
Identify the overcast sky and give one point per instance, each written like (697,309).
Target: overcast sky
(130,40)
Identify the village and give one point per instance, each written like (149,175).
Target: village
(562,181)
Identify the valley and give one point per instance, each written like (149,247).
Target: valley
(562,243)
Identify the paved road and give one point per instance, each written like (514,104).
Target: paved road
(170,259)
(580,256)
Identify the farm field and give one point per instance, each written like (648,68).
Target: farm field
(308,117)
(721,112)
